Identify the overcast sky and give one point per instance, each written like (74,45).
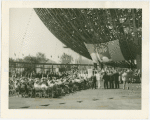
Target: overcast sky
(28,35)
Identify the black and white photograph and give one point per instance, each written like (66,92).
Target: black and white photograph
(75,58)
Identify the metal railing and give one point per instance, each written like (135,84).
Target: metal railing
(19,67)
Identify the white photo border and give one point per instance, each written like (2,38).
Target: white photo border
(74,114)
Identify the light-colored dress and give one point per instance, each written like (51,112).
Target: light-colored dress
(124,76)
(125,80)
(98,80)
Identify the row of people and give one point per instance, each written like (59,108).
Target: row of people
(112,77)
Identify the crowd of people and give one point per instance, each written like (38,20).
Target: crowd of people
(60,83)
(112,77)
(40,74)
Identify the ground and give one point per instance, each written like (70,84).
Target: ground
(86,99)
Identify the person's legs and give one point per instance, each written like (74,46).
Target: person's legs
(114,83)
(84,84)
(117,84)
(127,85)
(92,85)
(111,84)
(98,83)
(124,83)
(105,84)
(95,84)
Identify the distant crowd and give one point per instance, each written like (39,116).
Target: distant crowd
(58,83)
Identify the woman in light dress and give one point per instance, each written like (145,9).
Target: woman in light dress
(98,78)
(125,79)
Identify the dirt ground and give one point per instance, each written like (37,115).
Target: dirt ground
(104,99)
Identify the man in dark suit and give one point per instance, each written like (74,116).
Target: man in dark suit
(94,80)
(105,78)
(116,76)
(111,80)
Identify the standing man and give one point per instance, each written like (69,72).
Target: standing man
(120,75)
(94,80)
(108,78)
(105,78)
(116,75)
(111,79)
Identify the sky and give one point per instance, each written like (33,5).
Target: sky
(28,36)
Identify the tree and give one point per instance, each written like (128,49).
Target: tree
(66,59)
(41,58)
(29,67)
(11,60)
(31,60)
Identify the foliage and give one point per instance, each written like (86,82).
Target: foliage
(66,59)
(11,60)
(29,68)
(41,58)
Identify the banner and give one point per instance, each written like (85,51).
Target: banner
(105,52)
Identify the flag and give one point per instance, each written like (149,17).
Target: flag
(102,52)
(105,52)
(99,52)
